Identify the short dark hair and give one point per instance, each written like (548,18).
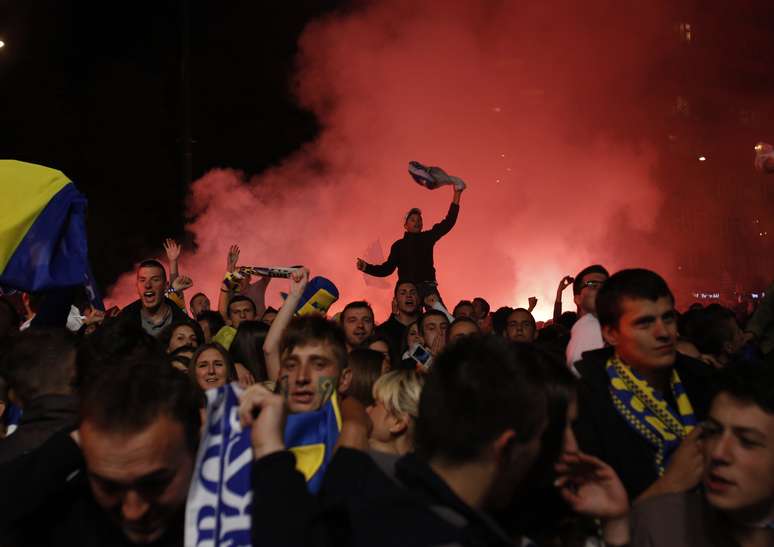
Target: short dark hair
(269,310)
(404,282)
(478,389)
(166,334)
(354,305)
(484,304)
(711,329)
(213,319)
(749,382)
(636,284)
(176,355)
(153,263)
(194,297)
(315,328)
(500,319)
(567,319)
(460,304)
(39,362)
(459,320)
(240,298)
(115,341)
(366,366)
(529,313)
(577,284)
(135,392)
(429,313)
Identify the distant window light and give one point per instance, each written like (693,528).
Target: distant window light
(686,32)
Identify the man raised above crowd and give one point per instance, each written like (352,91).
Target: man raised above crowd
(412,255)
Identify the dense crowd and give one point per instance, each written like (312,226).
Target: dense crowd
(623,422)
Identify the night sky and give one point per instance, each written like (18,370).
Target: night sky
(94,89)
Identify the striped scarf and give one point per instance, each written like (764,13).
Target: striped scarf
(647,412)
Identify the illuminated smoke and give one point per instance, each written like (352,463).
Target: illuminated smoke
(526,103)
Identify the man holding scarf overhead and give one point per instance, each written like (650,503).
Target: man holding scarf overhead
(412,255)
(641,402)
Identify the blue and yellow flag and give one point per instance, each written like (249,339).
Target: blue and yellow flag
(42,229)
(312,436)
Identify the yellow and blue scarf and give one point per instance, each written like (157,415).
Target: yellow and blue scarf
(647,412)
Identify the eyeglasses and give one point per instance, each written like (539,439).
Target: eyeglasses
(593,284)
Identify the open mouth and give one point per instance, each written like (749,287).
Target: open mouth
(717,484)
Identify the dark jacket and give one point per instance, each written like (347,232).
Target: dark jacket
(42,417)
(131,313)
(413,255)
(395,332)
(360,505)
(602,432)
(46,500)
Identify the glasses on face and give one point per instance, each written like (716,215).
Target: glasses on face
(593,284)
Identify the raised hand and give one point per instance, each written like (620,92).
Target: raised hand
(564,283)
(532,303)
(93,315)
(298,281)
(591,487)
(264,412)
(233,258)
(172,248)
(438,343)
(182,283)
(244,377)
(686,465)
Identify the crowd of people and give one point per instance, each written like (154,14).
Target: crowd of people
(623,422)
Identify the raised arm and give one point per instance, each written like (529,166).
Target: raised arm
(442,228)
(271,350)
(226,291)
(381,270)
(173,253)
(563,284)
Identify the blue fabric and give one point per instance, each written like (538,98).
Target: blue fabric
(318,427)
(54,252)
(218,511)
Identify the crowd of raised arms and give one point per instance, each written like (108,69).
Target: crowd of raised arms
(626,421)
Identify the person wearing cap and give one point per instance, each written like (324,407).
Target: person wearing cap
(412,255)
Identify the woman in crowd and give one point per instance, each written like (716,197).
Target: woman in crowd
(181,333)
(395,407)
(211,366)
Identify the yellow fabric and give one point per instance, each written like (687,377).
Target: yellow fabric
(322,298)
(225,336)
(309,458)
(336,410)
(25,189)
(177,299)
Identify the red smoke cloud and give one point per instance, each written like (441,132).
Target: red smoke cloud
(524,103)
